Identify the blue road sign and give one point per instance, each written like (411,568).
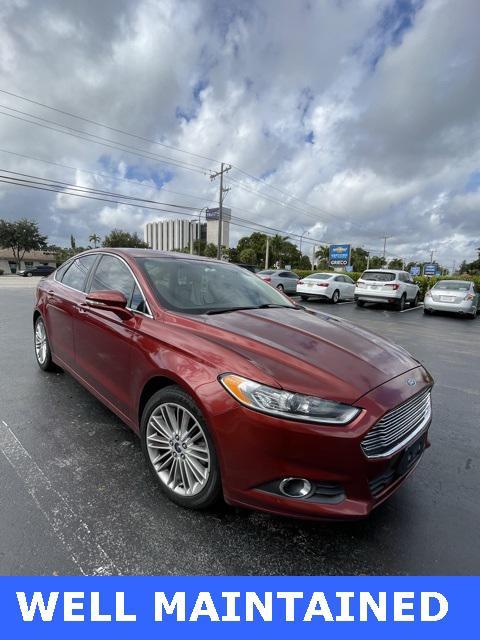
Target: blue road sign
(430,269)
(414,271)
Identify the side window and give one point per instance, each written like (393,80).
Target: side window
(348,280)
(113,274)
(137,302)
(61,270)
(76,273)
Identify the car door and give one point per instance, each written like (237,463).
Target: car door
(103,339)
(63,295)
(412,288)
(349,287)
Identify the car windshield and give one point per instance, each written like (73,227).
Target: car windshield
(445,285)
(197,286)
(378,276)
(319,276)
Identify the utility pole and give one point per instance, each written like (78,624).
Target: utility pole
(385,238)
(368,259)
(266,252)
(431,255)
(223,169)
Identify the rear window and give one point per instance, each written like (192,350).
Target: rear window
(318,276)
(378,276)
(444,285)
(268,272)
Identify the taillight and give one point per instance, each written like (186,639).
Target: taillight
(361,285)
(469,296)
(299,281)
(394,286)
(322,284)
(267,279)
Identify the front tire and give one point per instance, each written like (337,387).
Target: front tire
(29,274)
(360,303)
(414,302)
(281,288)
(304,297)
(43,354)
(179,449)
(336,297)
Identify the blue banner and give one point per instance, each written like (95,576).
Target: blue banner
(280,607)
(339,255)
(429,269)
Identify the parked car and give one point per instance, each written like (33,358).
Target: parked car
(40,270)
(233,389)
(249,267)
(329,286)
(386,286)
(455,296)
(281,279)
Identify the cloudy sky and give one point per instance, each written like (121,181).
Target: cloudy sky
(352,118)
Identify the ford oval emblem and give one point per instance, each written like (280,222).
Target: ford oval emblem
(411,382)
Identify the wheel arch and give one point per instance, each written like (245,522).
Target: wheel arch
(154,384)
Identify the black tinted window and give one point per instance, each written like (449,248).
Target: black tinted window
(114,275)
(137,302)
(76,274)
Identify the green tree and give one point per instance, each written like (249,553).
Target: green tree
(21,236)
(323,254)
(358,259)
(248,256)
(396,263)
(211,250)
(95,239)
(304,263)
(120,238)
(377,262)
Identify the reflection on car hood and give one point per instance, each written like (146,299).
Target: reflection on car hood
(312,352)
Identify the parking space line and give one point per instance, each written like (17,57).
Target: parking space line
(419,306)
(89,556)
(346,302)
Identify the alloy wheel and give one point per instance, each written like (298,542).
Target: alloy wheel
(40,342)
(178,449)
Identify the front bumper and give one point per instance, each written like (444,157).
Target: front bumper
(256,451)
(465,307)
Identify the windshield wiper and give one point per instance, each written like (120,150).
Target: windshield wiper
(212,312)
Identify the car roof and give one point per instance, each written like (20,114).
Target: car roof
(455,281)
(385,271)
(150,253)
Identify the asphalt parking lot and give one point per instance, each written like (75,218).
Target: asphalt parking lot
(76,496)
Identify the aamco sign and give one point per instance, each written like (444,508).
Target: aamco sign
(339,255)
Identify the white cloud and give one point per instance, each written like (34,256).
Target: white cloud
(367,110)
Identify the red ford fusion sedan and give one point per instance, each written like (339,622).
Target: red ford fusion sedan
(233,389)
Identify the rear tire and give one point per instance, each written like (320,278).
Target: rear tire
(360,303)
(29,275)
(414,302)
(173,428)
(304,297)
(336,297)
(401,303)
(280,288)
(43,354)
(427,312)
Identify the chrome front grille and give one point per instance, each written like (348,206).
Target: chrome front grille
(399,426)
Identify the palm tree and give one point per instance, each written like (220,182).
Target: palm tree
(95,239)
(323,253)
(277,247)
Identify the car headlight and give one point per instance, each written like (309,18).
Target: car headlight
(286,404)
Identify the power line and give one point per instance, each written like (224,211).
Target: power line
(126,148)
(106,126)
(178,149)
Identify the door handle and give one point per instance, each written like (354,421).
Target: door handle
(82,308)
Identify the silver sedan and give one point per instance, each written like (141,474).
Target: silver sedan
(455,296)
(281,279)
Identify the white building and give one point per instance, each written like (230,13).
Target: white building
(174,235)
(178,234)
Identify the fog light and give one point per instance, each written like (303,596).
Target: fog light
(295,487)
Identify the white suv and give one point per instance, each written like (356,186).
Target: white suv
(387,286)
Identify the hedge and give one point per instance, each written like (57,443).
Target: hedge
(424,282)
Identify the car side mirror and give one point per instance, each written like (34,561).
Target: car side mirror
(109,300)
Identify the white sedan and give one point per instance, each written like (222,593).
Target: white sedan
(329,286)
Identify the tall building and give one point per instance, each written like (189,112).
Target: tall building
(212,216)
(174,235)
(178,234)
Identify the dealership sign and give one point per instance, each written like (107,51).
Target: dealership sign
(214,214)
(430,269)
(415,271)
(339,255)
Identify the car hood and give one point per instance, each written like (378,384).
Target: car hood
(311,352)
